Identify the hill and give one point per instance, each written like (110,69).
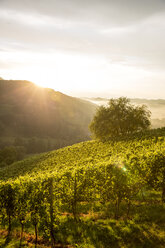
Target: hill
(83,154)
(41,119)
(91,194)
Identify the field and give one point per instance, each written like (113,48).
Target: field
(91,194)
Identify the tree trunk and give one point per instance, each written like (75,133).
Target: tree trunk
(117,208)
(36,235)
(74,210)
(128,209)
(163,188)
(9,224)
(22,227)
(163,194)
(74,205)
(142,195)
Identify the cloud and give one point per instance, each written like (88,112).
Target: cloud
(130,33)
(109,12)
(27,30)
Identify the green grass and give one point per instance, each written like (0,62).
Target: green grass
(8,244)
(14,242)
(145,228)
(104,234)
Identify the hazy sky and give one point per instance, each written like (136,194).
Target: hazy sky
(85,47)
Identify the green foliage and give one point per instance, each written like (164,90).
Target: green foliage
(52,191)
(11,154)
(119,118)
(153,167)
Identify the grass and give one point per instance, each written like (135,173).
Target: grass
(112,233)
(14,241)
(145,228)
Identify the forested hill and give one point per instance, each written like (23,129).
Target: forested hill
(41,119)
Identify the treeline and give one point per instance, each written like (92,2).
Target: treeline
(36,144)
(20,148)
(11,154)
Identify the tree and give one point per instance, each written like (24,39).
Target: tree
(119,118)
(11,154)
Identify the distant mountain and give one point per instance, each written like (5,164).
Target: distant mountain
(41,119)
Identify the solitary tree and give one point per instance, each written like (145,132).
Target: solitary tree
(119,118)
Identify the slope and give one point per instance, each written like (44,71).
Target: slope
(91,194)
(89,153)
(41,119)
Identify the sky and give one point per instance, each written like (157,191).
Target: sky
(85,48)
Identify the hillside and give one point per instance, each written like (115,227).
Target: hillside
(41,119)
(90,194)
(83,154)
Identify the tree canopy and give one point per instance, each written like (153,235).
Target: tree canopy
(119,118)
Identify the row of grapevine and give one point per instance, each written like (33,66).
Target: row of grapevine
(44,187)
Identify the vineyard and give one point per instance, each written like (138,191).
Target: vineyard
(91,194)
